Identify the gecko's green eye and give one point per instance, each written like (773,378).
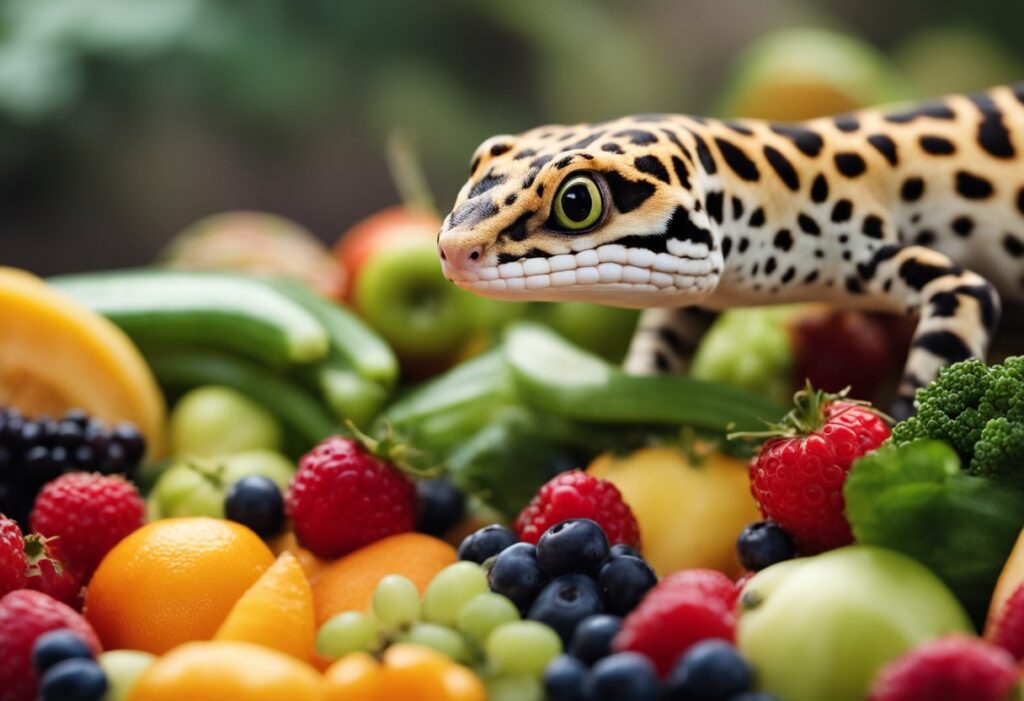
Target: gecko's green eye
(578,204)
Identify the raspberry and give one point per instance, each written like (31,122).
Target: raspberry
(954,668)
(24,616)
(685,608)
(1006,629)
(90,513)
(342,498)
(49,573)
(12,556)
(576,494)
(798,479)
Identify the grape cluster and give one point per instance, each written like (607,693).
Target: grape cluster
(36,451)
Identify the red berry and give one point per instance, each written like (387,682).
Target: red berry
(576,494)
(24,616)
(954,668)
(342,498)
(1006,629)
(90,513)
(12,556)
(682,610)
(49,572)
(798,479)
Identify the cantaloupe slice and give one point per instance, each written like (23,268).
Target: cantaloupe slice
(56,355)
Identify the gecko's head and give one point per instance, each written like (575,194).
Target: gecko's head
(593,213)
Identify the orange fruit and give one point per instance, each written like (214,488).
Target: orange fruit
(223,671)
(348,583)
(355,677)
(276,612)
(288,543)
(173,581)
(417,673)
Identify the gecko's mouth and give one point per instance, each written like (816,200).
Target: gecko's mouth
(607,270)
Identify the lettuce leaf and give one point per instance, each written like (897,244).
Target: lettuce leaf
(915,498)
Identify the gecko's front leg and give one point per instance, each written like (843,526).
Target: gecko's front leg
(666,339)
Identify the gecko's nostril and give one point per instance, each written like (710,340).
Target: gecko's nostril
(475,255)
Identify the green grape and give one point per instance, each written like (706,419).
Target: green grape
(123,668)
(348,632)
(515,689)
(444,640)
(450,590)
(396,602)
(522,648)
(485,612)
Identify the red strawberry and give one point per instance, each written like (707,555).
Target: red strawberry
(683,609)
(954,668)
(48,573)
(12,556)
(1006,628)
(90,513)
(24,616)
(576,494)
(343,497)
(797,477)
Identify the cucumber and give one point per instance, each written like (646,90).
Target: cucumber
(349,395)
(220,310)
(365,351)
(182,368)
(556,377)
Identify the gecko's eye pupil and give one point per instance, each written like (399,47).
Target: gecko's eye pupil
(577,205)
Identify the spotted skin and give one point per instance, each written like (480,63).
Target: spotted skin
(916,211)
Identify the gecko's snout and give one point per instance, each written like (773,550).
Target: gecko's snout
(459,256)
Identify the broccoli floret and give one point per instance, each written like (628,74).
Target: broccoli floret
(979,410)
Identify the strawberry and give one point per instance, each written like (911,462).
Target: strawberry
(576,494)
(90,513)
(24,616)
(48,573)
(797,477)
(344,497)
(683,609)
(1006,627)
(12,556)
(954,668)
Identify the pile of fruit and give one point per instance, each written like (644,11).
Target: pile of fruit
(233,476)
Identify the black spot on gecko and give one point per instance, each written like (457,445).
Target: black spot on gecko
(737,208)
(587,140)
(809,142)
(473,212)
(744,244)
(925,237)
(944,304)
(639,137)
(850,164)
(973,187)
(507,258)
(854,286)
(944,344)
(819,189)
(738,160)
(652,166)
(867,270)
(525,153)
(937,145)
(933,110)
(1020,201)
(499,149)
(540,161)
(963,226)
(912,189)
(486,183)
(872,227)
(714,202)
(656,243)
(846,123)
(681,171)
(704,154)
(516,231)
(918,274)
(811,277)
(611,147)
(681,227)
(565,161)
(540,189)
(627,194)
(808,225)
(738,128)
(885,146)
(788,276)
(783,240)
(757,218)
(992,133)
(726,247)
(511,199)
(842,211)
(1013,245)
(770,265)
(783,168)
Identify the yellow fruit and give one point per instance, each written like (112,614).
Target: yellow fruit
(173,581)
(417,673)
(56,355)
(689,515)
(355,677)
(276,612)
(227,671)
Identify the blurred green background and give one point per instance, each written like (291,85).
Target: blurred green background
(122,121)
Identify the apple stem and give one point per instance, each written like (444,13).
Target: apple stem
(407,172)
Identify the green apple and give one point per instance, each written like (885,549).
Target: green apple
(606,331)
(822,627)
(123,668)
(943,60)
(198,486)
(402,293)
(215,420)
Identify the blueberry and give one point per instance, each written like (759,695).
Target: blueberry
(131,441)
(516,575)
(69,434)
(624,581)
(113,459)
(627,676)
(621,549)
(565,602)
(711,670)
(486,543)
(565,679)
(592,640)
(442,506)
(577,545)
(73,680)
(256,502)
(56,646)
(762,544)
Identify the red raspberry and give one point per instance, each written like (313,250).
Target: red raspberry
(12,556)
(682,610)
(90,513)
(343,497)
(49,573)
(954,668)
(798,479)
(1006,628)
(576,494)
(24,616)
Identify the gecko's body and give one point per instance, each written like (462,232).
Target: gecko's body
(911,211)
